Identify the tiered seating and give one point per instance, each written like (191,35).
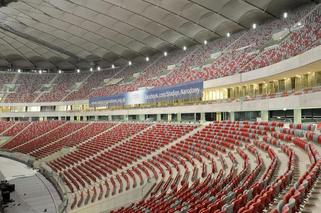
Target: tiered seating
(32,131)
(59,140)
(297,42)
(62,86)
(6,78)
(4,125)
(28,87)
(16,128)
(242,52)
(201,149)
(221,167)
(126,153)
(296,195)
(95,80)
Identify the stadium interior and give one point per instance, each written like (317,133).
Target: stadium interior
(151,106)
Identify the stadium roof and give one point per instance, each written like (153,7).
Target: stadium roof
(65,34)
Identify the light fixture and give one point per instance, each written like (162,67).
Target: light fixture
(98,68)
(129,63)
(165,53)
(78,70)
(184,48)
(113,66)
(91,69)
(299,23)
(59,71)
(19,70)
(228,35)
(254,26)
(284,109)
(40,71)
(205,42)
(285,15)
(147,58)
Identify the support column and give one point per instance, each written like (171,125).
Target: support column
(141,117)
(297,113)
(179,117)
(72,118)
(158,118)
(264,115)
(84,118)
(125,117)
(232,116)
(218,116)
(203,119)
(169,117)
(96,118)
(110,117)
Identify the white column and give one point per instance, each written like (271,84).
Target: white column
(264,115)
(179,117)
(169,117)
(159,118)
(232,116)
(297,116)
(141,117)
(203,119)
(218,116)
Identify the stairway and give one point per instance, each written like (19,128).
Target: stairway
(41,93)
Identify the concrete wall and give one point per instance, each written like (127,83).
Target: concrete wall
(117,201)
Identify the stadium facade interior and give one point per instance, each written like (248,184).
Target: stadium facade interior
(160,106)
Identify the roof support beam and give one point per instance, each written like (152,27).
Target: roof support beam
(260,9)
(217,13)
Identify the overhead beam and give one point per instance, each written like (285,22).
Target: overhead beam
(220,14)
(260,9)
(37,41)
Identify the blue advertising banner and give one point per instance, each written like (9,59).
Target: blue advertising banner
(189,90)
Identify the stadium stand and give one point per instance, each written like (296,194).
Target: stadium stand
(186,161)
(242,52)
(250,142)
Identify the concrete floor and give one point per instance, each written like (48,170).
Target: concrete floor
(34,193)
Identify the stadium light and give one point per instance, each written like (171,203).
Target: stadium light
(205,42)
(147,58)
(165,53)
(254,26)
(40,71)
(98,68)
(19,70)
(91,69)
(78,70)
(59,71)
(285,15)
(129,63)
(228,35)
(113,66)
(184,48)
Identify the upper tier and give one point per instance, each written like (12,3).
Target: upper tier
(244,51)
